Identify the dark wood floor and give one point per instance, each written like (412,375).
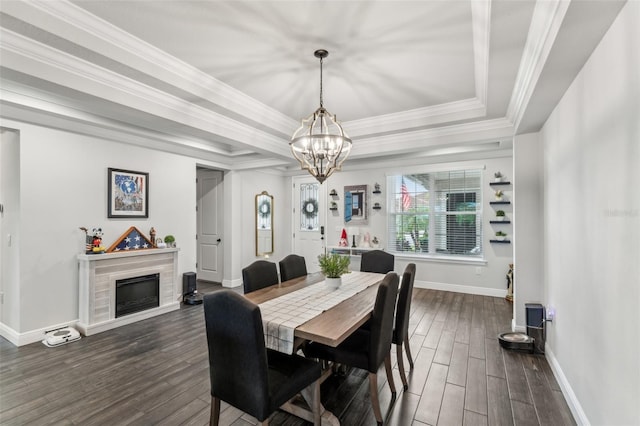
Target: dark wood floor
(156,372)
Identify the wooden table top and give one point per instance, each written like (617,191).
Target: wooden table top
(335,324)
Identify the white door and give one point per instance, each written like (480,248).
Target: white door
(309,209)
(209,217)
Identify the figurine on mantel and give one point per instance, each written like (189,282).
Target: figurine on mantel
(152,236)
(93,240)
(343,239)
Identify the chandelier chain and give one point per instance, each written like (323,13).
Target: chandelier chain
(321,82)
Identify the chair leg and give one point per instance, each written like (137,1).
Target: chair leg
(403,375)
(408,350)
(215,411)
(375,401)
(387,366)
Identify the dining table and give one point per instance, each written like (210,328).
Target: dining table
(308,309)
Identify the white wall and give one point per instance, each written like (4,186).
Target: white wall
(438,274)
(63,185)
(592,230)
(528,225)
(253,183)
(9,228)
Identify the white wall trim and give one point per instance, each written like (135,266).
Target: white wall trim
(571,398)
(21,339)
(232,283)
(457,288)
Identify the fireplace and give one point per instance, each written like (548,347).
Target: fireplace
(99,275)
(137,294)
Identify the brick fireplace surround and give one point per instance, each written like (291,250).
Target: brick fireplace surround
(98,274)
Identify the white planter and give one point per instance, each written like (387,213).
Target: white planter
(333,283)
(501,218)
(500,237)
(498,179)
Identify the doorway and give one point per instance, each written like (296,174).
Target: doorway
(210,253)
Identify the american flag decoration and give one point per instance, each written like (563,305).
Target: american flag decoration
(406,198)
(133,239)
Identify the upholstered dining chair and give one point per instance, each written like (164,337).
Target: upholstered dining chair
(401,327)
(367,349)
(259,274)
(377,261)
(292,266)
(243,372)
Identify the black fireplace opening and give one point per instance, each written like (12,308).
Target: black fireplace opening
(137,294)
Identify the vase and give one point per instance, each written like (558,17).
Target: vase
(333,283)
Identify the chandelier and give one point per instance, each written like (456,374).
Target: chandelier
(320,144)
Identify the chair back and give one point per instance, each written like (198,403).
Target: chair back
(382,321)
(403,307)
(292,266)
(237,356)
(377,261)
(259,274)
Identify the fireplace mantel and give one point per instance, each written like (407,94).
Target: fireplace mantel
(98,274)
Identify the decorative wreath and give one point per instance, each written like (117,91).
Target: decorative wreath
(264,209)
(310,208)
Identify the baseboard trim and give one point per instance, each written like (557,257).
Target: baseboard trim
(570,396)
(21,339)
(456,288)
(232,283)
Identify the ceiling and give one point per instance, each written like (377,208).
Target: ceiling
(228,81)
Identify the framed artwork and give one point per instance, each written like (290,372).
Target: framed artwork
(355,204)
(127,194)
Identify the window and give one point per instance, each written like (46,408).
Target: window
(436,214)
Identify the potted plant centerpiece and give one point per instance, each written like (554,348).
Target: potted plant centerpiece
(498,176)
(500,215)
(333,266)
(498,194)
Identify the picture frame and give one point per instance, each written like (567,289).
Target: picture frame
(127,194)
(355,204)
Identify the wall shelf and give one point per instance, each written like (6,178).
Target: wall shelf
(496,203)
(498,222)
(499,183)
(500,241)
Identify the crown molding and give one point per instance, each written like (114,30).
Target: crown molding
(476,132)
(545,25)
(419,117)
(481,22)
(33,58)
(71,22)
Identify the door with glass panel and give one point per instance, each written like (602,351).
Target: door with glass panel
(309,220)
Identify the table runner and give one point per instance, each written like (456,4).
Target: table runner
(280,316)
